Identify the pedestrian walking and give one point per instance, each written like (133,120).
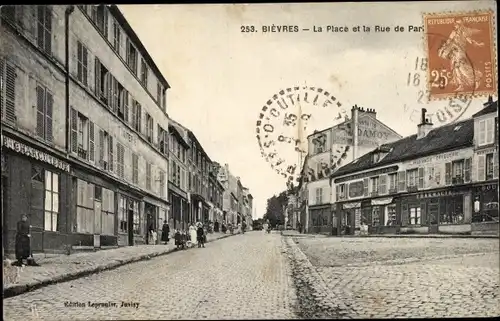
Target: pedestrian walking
(165,232)
(154,237)
(193,235)
(23,242)
(200,233)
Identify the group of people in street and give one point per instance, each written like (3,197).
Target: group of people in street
(195,236)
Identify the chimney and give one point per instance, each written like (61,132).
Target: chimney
(372,111)
(489,102)
(424,127)
(354,126)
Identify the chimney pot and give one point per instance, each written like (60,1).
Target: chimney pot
(423,119)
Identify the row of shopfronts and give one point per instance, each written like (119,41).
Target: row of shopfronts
(71,204)
(451,210)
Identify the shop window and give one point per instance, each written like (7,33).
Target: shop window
(366,215)
(51,201)
(391,215)
(415,216)
(136,217)
(108,212)
(122,215)
(453,213)
(85,207)
(376,216)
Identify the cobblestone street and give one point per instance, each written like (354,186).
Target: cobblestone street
(392,278)
(244,276)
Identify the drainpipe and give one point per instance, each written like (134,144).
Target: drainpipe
(69,11)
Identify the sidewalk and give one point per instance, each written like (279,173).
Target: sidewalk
(63,268)
(488,236)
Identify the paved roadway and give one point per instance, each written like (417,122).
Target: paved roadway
(405,278)
(240,277)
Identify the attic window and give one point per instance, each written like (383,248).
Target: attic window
(457,127)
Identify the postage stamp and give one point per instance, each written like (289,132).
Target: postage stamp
(460,48)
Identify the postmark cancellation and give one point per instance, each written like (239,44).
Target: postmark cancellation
(461,53)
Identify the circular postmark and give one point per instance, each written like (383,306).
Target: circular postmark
(284,124)
(426,77)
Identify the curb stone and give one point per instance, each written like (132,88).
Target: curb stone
(319,302)
(416,236)
(21,289)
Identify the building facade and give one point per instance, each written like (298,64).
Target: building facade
(331,148)
(424,183)
(485,173)
(178,176)
(80,100)
(216,192)
(230,197)
(198,172)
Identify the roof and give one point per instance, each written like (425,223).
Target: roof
(179,131)
(440,139)
(190,134)
(137,42)
(489,107)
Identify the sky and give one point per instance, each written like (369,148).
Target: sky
(221,77)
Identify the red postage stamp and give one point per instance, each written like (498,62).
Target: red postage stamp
(461,54)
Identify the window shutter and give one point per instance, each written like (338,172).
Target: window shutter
(125,105)
(421,177)
(48,31)
(101,148)
(85,61)
(74,130)
(401,181)
(481,168)
(111,159)
(447,173)
(10,93)
(133,118)
(382,186)
(482,132)
(91,142)
(337,192)
(467,169)
(365,186)
(139,117)
(97,73)
(495,164)
(48,116)
(2,72)
(40,111)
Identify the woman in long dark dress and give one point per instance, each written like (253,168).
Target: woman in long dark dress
(165,232)
(23,250)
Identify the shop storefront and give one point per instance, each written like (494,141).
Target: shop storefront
(320,219)
(485,209)
(380,215)
(130,224)
(93,216)
(38,184)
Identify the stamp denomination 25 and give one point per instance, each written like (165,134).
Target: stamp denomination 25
(464,62)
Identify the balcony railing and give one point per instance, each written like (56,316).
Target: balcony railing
(82,153)
(375,193)
(393,190)
(457,180)
(412,188)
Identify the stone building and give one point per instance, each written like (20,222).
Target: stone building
(178,176)
(230,198)
(84,128)
(424,183)
(328,150)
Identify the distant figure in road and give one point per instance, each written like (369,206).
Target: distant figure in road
(193,235)
(200,235)
(165,232)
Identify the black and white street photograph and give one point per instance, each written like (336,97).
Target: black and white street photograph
(238,161)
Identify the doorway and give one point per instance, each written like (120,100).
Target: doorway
(130,219)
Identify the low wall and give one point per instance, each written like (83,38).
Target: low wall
(455,229)
(490,228)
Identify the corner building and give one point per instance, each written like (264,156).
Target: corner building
(86,148)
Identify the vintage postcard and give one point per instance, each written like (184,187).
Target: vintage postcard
(250,161)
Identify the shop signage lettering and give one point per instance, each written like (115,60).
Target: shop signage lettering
(34,153)
(443,157)
(368,174)
(486,151)
(371,133)
(356,189)
(486,188)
